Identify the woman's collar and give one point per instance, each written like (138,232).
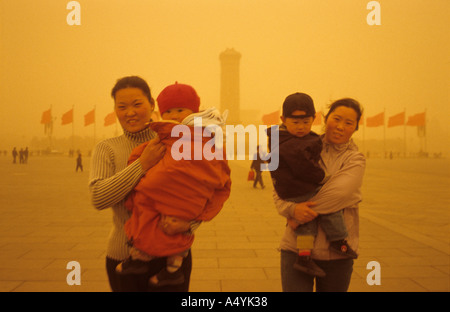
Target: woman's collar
(337,147)
(140,136)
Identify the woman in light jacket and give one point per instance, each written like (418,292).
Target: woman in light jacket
(341,192)
(111,180)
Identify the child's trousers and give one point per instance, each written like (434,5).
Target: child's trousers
(332,224)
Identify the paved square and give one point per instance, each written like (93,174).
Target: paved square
(47,221)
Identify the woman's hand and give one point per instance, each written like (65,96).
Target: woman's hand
(303,212)
(173,225)
(152,154)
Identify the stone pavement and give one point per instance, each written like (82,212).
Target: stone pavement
(47,221)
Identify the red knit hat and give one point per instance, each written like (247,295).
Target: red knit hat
(178,95)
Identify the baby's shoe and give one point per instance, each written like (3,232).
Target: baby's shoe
(341,247)
(164,278)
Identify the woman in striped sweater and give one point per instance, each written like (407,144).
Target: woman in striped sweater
(111,179)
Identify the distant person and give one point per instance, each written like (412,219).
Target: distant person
(174,191)
(79,163)
(21,156)
(342,191)
(256,166)
(14,155)
(299,177)
(25,155)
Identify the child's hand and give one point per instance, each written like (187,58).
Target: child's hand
(173,225)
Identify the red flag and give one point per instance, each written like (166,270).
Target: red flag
(46,117)
(67,118)
(271,119)
(375,121)
(110,119)
(318,120)
(89,118)
(396,120)
(416,120)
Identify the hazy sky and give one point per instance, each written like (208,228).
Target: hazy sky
(321,47)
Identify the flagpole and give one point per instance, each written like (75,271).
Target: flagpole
(50,132)
(73,128)
(425,130)
(384,132)
(95,125)
(364,136)
(404,133)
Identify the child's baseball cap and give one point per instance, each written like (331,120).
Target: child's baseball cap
(178,95)
(298,101)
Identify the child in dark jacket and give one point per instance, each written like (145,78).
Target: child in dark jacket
(299,177)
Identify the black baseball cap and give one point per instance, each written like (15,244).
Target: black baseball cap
(298,101)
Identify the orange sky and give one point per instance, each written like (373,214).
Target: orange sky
(322,47)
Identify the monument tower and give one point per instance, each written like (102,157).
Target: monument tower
(229,85)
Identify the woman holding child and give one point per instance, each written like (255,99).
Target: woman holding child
(341,192)
(111,180)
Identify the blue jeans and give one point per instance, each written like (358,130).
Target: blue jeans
(332,224)
(339,273)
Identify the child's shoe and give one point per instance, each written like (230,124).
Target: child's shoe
(341,247)
(164,278)
(308,266)
(132,266)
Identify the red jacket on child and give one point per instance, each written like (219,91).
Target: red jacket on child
(187,189)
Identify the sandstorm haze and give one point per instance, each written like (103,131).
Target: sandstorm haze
(324,48)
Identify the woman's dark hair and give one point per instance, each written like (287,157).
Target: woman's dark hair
(132,82)
(350,103)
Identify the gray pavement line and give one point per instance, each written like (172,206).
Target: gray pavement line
(441,246)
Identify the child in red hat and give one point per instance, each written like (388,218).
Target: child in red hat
(176,194)
(178,97)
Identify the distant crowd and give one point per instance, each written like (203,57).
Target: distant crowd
(22,154)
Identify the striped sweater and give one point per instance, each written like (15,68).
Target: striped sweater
(111,180)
